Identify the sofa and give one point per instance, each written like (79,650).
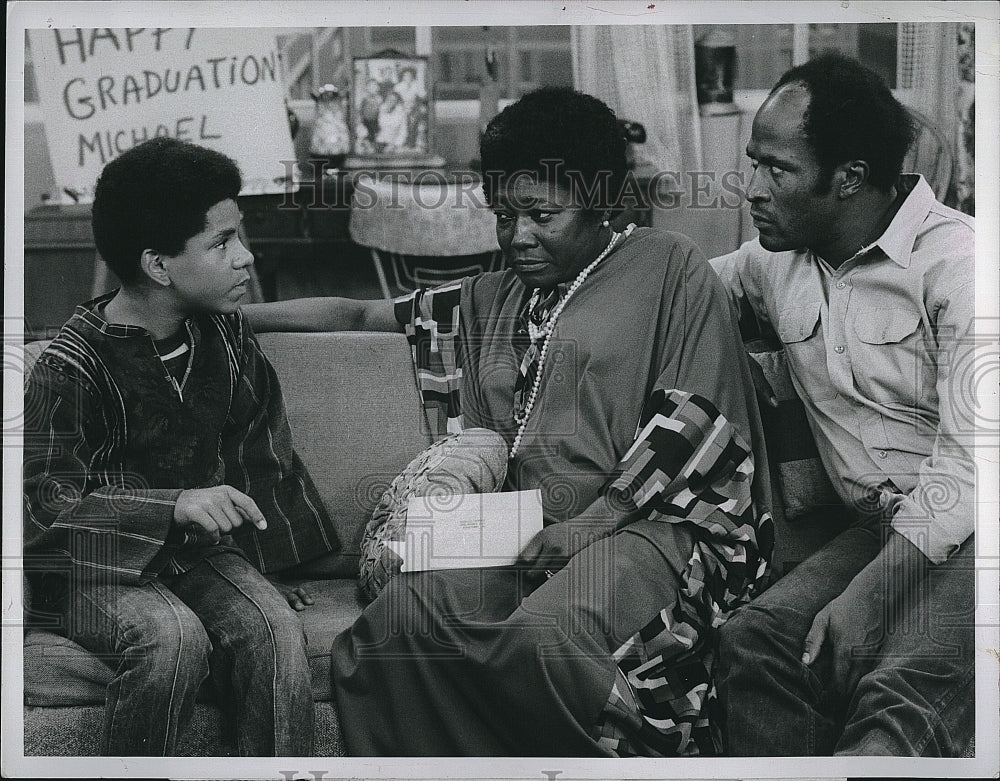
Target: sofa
(357,421)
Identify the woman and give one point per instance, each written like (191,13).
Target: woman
(611,364)
(392,114)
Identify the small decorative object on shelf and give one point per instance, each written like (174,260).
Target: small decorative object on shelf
(714,61)
(331,137)
(391,113)
(635,133)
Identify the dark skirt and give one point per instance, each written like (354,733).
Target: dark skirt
(475,663)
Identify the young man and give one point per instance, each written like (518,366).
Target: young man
(159,475)
(867,647)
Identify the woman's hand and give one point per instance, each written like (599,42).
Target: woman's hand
(552,548)
(547,550)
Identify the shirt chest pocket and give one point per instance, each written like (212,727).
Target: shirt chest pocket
(801,333)
(889,360)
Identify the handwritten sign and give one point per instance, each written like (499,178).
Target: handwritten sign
(103,91)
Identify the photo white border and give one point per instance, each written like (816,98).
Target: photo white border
(21,15)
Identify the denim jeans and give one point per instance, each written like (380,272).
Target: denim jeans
(164,638)
(912,693)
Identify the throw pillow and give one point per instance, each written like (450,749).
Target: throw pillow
(473,461)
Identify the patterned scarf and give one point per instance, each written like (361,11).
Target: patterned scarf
(529,364)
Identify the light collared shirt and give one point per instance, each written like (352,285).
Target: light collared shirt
(878,350)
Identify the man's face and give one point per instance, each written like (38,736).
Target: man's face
(545,235)
(792,207)
(210,273)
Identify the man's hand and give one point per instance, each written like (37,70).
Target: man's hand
(216,511)
(853,624)
(298,597)
(765,393)
(850,624)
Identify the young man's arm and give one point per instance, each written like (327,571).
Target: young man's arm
(323,314)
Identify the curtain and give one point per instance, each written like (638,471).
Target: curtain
(965,174)
(645,73)
(930,76)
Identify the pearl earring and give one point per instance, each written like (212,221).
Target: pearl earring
(606,224)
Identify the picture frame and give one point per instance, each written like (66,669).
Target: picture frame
(390,107)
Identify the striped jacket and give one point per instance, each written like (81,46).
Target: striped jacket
(110,443)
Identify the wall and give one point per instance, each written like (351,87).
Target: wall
(716,230)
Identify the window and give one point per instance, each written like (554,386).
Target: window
(526,58)
(765,51)
(529,57)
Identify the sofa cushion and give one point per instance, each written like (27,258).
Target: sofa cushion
(74,732)
(801,478)
(59,672)
(356,421)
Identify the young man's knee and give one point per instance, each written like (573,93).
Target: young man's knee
(278,628)
(177,641)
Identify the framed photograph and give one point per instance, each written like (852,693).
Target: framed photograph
(389,106)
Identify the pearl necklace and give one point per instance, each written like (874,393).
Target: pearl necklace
(544,332)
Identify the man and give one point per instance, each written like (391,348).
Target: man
(159,470)
(867,647)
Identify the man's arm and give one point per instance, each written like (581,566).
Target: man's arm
(739,272)
(323,314)
(929,523)
(747,297)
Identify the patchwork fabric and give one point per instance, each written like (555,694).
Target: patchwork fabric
(687,465)
(431,321)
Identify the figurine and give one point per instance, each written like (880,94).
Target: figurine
(331,138)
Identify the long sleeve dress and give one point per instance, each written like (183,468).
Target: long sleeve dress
(646,425)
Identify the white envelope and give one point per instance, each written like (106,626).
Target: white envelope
(468,531)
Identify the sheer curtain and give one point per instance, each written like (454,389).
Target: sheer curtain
(936,81)
(646,74)
(927,69)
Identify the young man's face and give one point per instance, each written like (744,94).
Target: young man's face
(792,207)
(210,274)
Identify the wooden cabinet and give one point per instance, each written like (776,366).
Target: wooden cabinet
(301,243)
(59,260)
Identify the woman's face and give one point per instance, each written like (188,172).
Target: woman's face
(546,237)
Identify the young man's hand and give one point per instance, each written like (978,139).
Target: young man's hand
(298,597)
(216,511)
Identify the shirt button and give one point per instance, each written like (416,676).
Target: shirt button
(839,349)
(841,285)
(882,454)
